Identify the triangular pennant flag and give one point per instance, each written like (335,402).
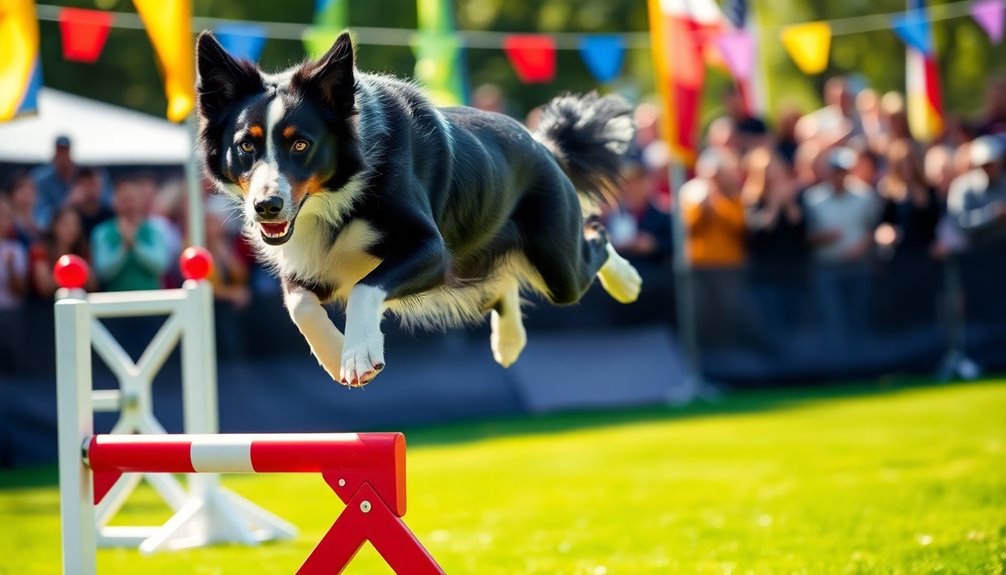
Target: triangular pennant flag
(83,33)
(738,50)
(603,56)
(989,15)
(243,41)
(532,57)
(914,30)
(169,25)
(809,45)
(19,61)
(318,39)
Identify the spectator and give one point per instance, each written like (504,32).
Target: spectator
(993,120)
(809,164)
(895,118)
(910,207)
(723,135)
(837,120)
(774,214)
(489,98)
(940,174)
(86,198)
(64,236)
(163,206)
(751,130)
(977,199)
(53,181)
(639,230)
(714,218)
(23,197)
(841,217)
(776,239)
(230,272)
(13,262)
(129,253)
(786,141)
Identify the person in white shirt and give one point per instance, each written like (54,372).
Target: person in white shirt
(842,215)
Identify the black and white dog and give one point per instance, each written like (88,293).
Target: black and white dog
(356,189)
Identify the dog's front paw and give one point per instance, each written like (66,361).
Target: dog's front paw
(362,361)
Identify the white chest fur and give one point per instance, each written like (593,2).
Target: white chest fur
(309,255)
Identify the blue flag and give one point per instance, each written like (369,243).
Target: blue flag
(242,40)
(914,30)
(603,56)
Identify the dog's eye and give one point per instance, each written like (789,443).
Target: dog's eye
(300,146)
(246,147)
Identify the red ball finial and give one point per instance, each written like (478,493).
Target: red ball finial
(70,272)
(196,263)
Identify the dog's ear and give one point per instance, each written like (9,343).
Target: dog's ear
(221,79)
(332,74)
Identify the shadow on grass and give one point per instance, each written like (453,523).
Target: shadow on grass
(741,402)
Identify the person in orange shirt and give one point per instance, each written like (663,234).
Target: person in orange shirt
(714,217)
(713,212)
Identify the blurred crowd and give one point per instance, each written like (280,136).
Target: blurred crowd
(828,190)
(129,227)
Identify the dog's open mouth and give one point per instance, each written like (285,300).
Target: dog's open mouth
(276,233)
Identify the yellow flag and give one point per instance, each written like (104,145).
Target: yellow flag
(169,25)
(18,53)
(809,45)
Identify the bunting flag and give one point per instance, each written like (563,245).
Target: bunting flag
(924,98)
(20,68)
(169,25)
(738,49)
(244,41)
(913,28)
(532,57)
(989,15)
(83,33)
(678,32)
(439,63)
(809,45)
(332,13)
(603,56)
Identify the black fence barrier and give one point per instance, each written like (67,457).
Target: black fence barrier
(754,326)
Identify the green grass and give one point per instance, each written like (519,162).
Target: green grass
(865,479)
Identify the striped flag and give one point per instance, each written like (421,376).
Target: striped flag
(679,31)
(738,14)
(925,99)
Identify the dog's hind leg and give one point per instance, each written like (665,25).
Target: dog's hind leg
(619,278)
(508,337)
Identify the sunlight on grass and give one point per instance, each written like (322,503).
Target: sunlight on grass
(906,480)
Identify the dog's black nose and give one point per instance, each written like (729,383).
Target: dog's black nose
(269,208)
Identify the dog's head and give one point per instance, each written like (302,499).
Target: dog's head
(277,141)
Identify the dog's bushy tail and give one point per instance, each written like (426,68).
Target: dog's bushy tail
(588,134)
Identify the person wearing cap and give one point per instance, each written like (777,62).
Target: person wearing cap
(977,198)
(53,181)
(842,213)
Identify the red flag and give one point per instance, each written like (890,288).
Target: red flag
(83,33)
(532,57)
(680,32)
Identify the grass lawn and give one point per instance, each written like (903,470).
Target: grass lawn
(880,478)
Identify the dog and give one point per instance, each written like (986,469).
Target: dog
(356,189)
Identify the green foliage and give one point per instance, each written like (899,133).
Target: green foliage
(867,479)
(126,74)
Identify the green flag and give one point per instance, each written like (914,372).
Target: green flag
(439,53)
(330,19)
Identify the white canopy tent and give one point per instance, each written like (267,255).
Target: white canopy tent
(101,134)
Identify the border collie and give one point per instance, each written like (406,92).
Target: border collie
(355,189)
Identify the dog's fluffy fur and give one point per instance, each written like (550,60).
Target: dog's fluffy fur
(356,189)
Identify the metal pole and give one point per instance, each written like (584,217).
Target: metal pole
(685,297)
(76,425)
(193,179)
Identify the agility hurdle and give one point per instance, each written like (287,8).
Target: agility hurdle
(205,512)
(366,471)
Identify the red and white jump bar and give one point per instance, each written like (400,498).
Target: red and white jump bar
(366,470)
